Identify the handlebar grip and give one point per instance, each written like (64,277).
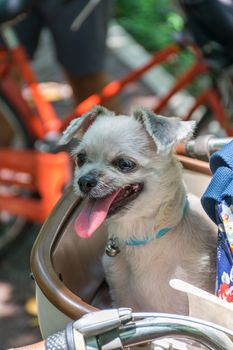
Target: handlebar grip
(63,340)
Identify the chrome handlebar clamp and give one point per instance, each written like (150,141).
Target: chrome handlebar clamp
(120,328)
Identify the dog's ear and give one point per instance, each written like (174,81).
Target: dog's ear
(78,126)
(165,132)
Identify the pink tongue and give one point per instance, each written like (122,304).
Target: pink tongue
(93,214)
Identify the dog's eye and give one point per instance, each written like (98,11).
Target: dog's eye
(80,159)
(125,165)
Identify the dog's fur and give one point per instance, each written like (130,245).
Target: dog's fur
(139,275)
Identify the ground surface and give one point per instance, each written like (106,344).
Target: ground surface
(17,327)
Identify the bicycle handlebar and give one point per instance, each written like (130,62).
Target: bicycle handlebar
(120,328)
(203,145)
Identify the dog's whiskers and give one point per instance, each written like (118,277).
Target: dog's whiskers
(103,189)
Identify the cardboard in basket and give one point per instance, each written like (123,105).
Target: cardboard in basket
(206,306)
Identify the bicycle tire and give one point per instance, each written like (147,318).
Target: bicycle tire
(203,124)
(209,123)
(12,226)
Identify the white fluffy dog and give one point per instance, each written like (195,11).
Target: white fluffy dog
(127,171)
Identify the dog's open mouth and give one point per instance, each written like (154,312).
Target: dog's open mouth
(96,210)
(125,196)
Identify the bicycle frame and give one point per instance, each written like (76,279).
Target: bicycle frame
(44,120)
(207,97)
(47,121)
(33,172)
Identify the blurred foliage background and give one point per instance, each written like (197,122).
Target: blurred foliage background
(153,23)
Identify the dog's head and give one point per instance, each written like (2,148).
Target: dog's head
(120,161)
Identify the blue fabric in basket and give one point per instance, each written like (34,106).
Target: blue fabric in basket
(221,185)
(218,204)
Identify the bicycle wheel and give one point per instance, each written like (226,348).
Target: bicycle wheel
(204,123)
(222,83)
(14,134)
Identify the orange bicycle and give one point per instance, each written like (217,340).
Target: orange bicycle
(32,180)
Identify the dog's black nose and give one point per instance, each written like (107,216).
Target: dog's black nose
(87,182)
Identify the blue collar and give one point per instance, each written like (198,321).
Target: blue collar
(158,234)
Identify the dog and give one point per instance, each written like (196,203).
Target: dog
(132,182)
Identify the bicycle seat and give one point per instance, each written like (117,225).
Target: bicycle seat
(211,24)
(10,9)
